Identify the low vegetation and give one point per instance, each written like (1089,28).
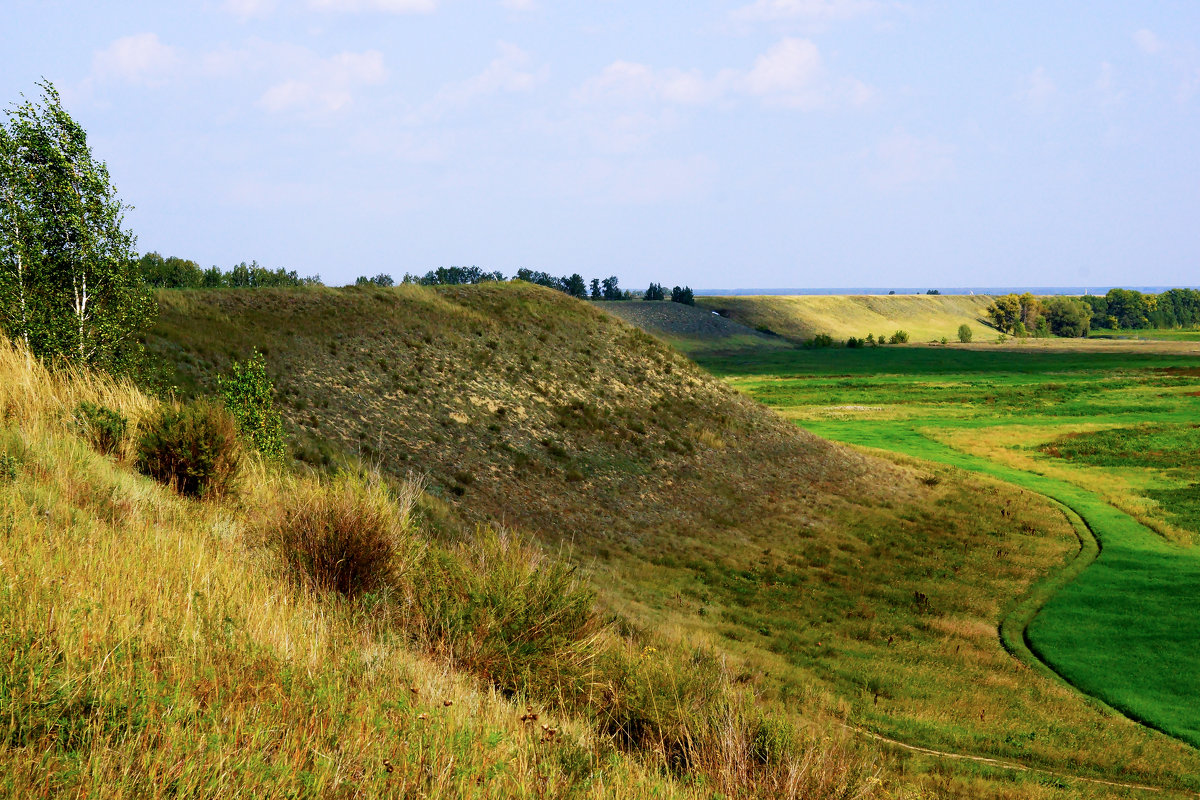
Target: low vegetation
(800,319)
(198,631)
(839,589)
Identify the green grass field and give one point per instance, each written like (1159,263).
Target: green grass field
(1073,426)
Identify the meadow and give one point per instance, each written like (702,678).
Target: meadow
(852,596)
(1108,433)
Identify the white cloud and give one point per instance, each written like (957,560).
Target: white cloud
(386,6)
(1148,42)
(791,73)
(1039,90)
(512,70)
(325,85)
(141,59)
(247,9)
(297,79)
(902,160)
(804,10)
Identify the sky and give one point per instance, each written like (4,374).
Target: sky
(751,143)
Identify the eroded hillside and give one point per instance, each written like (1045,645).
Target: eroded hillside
(522,405)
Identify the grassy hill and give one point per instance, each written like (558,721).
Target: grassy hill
(693,597)
(520,406)
(840,588)
(798,318)
(691,329)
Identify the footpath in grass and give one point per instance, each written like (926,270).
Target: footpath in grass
(1123,630)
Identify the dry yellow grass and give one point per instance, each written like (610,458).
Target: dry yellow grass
(149,648)
(925,317)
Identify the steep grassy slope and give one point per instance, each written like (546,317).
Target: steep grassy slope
(520,404)
(835,585)
(925,317)
(691,329)
(154,647)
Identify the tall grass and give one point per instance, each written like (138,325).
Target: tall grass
(152,647)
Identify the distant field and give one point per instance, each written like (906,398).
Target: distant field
(1108,431)
(1169,335)
(925,317)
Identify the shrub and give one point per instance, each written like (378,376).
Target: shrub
(899,337)
(347,535)
(8,468)
(103,428)
(964,333)
(193,449)
(820,340)
(247,393)
(504,611)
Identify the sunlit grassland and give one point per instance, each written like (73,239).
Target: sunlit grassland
(800,317)
(152,646)
(1122,631)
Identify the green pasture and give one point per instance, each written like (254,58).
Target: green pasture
(1166,334)
(1125,630)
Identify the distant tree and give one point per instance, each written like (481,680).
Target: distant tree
(683,294)
(899,337)
(575,286)
(213,278)
(610,289)
(1005,312)
(170,273)
(596,295)
(852,342)
(881,339)
(69,282)
(932,291)
(1131,309)
(458,276)
(870,340)
(1068,316)
(964,333)
(893,291)
(655,292)
(240,277)
(383,279)
(362,280)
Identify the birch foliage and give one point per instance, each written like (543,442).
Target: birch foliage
(69,286)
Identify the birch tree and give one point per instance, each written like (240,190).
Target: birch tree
(71,286)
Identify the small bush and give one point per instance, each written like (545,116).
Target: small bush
(899,337)
(964,333)
(347,535)
(247,393)
(507,613)
(193,449)
(8,468)
(102,427)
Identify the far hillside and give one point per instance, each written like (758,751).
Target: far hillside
(801,317)
(691,329)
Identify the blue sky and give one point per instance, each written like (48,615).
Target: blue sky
(752,143)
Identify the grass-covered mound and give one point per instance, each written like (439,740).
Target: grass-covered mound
(520,404)
(801,317)
(831,584)
(154,645)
